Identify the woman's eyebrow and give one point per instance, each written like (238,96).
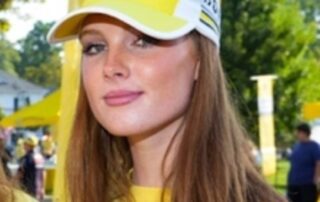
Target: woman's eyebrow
(89,32)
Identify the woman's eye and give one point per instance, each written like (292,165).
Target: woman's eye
(145,41)
(93,49)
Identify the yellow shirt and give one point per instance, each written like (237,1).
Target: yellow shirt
(19,151)
(148,194)
(22,197)
(48,145)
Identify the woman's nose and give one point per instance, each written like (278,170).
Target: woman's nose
(116,65)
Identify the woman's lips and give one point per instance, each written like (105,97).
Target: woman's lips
(121,97)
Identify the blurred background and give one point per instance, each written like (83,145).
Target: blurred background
(273,43)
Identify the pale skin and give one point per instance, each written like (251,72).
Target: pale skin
(140,88)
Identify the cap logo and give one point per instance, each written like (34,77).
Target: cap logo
(210,15)
(211,6)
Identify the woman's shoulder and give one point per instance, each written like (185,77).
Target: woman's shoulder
(23,197)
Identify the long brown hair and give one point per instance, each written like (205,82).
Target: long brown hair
(211,165)
(6,187)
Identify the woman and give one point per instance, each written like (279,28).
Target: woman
(8,193)
(154,121)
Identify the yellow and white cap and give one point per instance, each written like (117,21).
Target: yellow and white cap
(31,140)
(161,19)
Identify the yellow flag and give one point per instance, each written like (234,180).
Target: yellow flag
(311,111)
(266,123)
(69,95)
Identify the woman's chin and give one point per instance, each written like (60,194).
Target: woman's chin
(131,131)
(124,130)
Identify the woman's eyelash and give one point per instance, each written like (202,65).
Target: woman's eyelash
(145,40)
(93,48)
(150,40)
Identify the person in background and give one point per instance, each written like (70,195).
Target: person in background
(19,150)
(47,145)
(304,174)
(5,150)
(27,171)
(9,192)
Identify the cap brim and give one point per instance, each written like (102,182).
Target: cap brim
(156,24)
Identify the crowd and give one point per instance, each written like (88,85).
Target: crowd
(24,161)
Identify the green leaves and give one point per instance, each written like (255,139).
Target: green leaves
(47,74)
(8,57)
(4,25)
(40,61)
(271,37)
(5,4)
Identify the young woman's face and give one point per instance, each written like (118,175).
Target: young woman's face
(135,84)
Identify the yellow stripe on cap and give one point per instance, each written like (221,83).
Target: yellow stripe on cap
(209,21)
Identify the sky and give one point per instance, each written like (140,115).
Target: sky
(23,16)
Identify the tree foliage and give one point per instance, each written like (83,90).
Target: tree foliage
(270,37)
(310,8)
(6,5)
(35,60)
(48,74)
(8,57)
(4,24)
(40,61)
(2,115)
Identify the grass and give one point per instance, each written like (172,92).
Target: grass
(279,180)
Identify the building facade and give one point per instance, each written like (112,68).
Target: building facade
(16,93)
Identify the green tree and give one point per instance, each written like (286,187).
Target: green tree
(6,5)
(1,114)
(8,57)
(270,37)
(47,74)
(40,61)
(310,8)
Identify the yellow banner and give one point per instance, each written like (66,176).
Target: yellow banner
(266,123)
(311,111)
(69,94)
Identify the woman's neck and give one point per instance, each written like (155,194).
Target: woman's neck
(148,152)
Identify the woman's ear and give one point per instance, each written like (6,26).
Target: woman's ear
(196,70)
